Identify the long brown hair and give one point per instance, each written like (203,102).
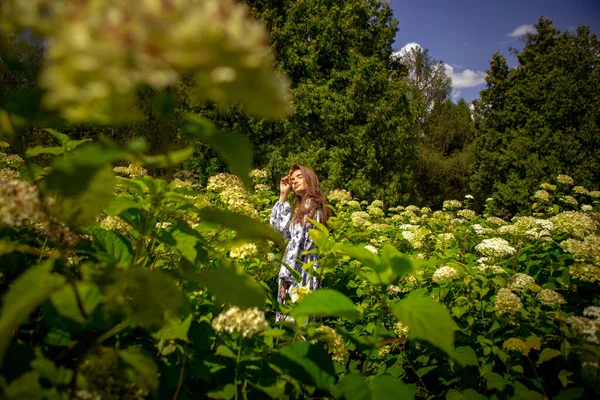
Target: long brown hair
(313,199)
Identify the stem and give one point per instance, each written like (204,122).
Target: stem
(537,376)
(43,249)
(79,301)
(180,382)
(237,363)
(113,331)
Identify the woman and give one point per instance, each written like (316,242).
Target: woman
(309,202)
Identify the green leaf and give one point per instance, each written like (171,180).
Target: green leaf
(547,354)
(466,356)
(187,241)
(354,387)
(425,370)
(83,193)
(399,263)
(112,246)
(174,328)
(307,363)
(494,381)
(143,369)
(120,204)
(274,392)
(225,351)
(37,150)
(245,226)
(66,304)
(61,137)
(570,394)
(427,320)
(167,160)
(58,337)
(26,293)
(230,284)
(469,394)
(384,387)
(226,393)
(326,303)
(234,148)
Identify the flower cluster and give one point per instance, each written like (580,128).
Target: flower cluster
(298,293)
(377,203)
(589,325)
(19,203)
(101,51)
(132,171)
(337,195)
(393,290)
(444,240)
(245,322)
(359,218)
(258,174)
(507,302)
(261,187)
(550,298)
(564,179)
(515,344)
(570,200)
(232,193)
(371,248)
(445,273)
(9,174)
(542,195)
(495,247)
(243,250)
(416,236)
(375,211)
(11,160)
(334,344)
(111,223)
(466,214)
(581,190)
(450,205)
(520,282)
(400,329)
(574,223)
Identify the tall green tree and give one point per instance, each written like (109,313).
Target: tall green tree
(353,120)
(445,154)
(539,119)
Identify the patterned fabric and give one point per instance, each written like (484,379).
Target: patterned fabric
(299,242)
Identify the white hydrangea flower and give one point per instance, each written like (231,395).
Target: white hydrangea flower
(507,302)
(372,249)
(520,282)
(550,298)
(245,322)
(495,247)
(445,273)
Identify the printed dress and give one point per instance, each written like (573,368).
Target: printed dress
(299,242)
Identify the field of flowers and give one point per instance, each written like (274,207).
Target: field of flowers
(165,289)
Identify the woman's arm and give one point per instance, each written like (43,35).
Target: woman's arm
(282,212)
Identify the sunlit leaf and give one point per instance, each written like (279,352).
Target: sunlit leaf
(427,320)
(326,303)
(174,328)
(67,305)
(230,284)
(112,246)
(245,226)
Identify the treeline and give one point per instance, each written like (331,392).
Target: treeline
(385,126)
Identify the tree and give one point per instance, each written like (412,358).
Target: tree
(539,119)
(426,78)
(352,121)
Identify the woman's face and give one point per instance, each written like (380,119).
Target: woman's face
(297,182)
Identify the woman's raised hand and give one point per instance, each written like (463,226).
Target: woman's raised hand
(284,188)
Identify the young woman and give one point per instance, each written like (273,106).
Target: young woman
(293,224)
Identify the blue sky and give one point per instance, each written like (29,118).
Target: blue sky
(465,33)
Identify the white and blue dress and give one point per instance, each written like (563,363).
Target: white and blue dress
(299,242)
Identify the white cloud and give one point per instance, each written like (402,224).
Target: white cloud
(407,47)
(521,30)
(464,79)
